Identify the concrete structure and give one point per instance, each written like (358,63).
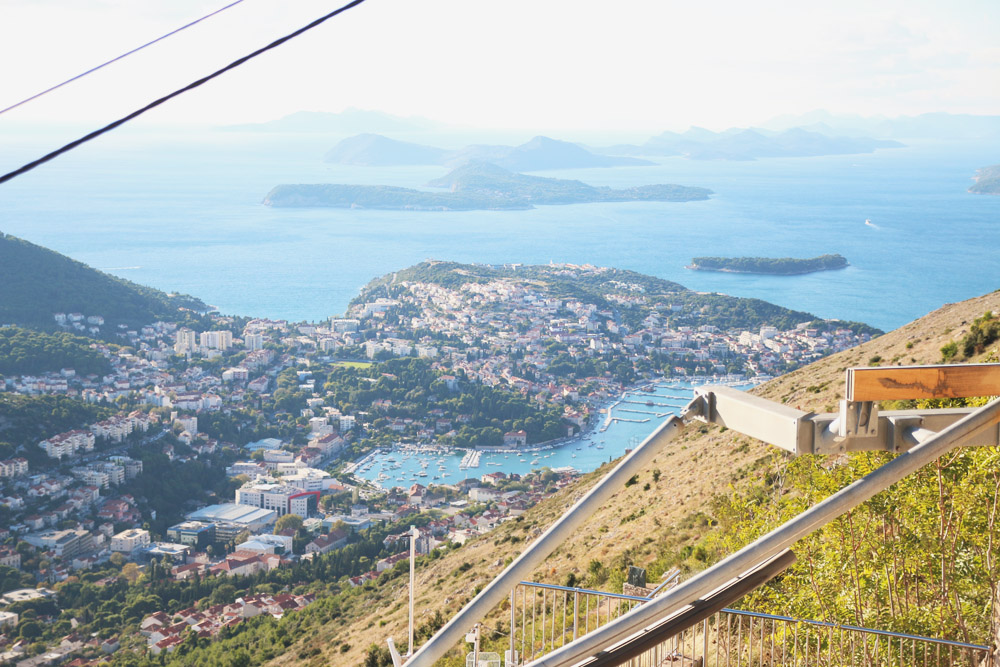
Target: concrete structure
(281,498)
(68,444)
(13,467)
(198,534)
(231,519)
(267,544)
(216,340)
(128,541)
(63,543)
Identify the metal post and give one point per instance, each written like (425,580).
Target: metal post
(512,621)
(475,649)
(549,541)
(704,643)
(777,540)
(414,533)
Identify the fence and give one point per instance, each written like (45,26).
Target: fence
(545,617)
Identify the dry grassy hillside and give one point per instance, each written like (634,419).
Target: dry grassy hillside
(640,523)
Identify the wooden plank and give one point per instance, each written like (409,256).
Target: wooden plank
(916,382)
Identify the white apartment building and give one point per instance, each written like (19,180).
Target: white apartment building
(216,340)
(279,498)
(185,341)
(13,467)
(69,443)
(253,341)
(128,541)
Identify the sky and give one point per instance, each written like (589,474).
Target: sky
(623,65)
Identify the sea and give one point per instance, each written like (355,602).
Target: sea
(181,211)
(630,419)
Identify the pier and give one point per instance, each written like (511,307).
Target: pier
(470,460)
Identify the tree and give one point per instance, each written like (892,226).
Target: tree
(131,572)
(293,521)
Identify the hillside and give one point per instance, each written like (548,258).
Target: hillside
(681,513)
(374,150)
(632,295)
(36,283)
(537,154)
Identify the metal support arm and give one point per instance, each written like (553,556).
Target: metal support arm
(965,430)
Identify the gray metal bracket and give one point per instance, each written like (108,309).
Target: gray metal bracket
(859,426)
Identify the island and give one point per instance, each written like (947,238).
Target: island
(536,155)
(749,144)
(476,186)
(987,181)
(781,266)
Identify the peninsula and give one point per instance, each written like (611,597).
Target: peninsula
(782,266)
(475,186)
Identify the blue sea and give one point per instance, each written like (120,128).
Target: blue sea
(182,212)
(632,421)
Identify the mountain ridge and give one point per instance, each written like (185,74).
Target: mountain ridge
(36,283)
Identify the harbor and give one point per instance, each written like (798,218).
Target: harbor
(620,425)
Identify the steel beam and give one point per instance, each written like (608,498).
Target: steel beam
(757,417)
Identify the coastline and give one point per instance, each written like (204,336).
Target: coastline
(602,418)
(695,267)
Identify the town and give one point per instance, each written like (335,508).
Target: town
(230,453)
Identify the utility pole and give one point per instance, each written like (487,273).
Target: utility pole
(414,534)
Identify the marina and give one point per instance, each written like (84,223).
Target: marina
(620,425)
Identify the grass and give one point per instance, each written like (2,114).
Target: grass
(354,364)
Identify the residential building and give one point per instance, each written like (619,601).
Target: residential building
(128,541)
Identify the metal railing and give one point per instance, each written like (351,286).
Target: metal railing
(750,415)
(544,617)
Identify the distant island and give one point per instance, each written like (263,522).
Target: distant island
(375,150)
(476,186)
(782,266)
(749,144)
(987,181)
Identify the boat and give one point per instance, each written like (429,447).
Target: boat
(534,462)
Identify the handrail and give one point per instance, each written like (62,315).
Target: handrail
(857,628)
(775,617)
(475,611)
(698,611)
(585,591)
(776,541)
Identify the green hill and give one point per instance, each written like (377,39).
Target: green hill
(599,286)
(36,283)
(782,266)
(23,351)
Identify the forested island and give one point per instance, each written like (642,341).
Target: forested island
(782,266)
(475,186)
(987,181)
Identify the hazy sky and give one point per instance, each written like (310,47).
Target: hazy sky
(624,64)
